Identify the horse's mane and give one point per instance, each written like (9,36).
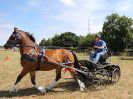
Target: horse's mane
(30,36)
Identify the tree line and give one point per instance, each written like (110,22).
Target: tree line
(117,32)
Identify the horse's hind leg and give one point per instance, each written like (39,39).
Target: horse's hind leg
(58,76)
(20,76)
(81,84)
(39,88)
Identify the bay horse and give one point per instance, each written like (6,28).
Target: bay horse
(35,58)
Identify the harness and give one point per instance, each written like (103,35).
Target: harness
(40,58)
(51,62)
(30,57)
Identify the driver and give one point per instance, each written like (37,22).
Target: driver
(99,49)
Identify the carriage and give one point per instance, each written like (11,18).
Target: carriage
(100,75)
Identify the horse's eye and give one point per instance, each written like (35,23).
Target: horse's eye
(13,37)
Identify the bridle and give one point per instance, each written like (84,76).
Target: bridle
(16,41)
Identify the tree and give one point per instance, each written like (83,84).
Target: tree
(45,42)
(86,41)
(42,43)
(117,31)
(130,43)
(56,40)
(89,40)
(81,41)
(67,39)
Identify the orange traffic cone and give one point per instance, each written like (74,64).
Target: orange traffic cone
(7,58)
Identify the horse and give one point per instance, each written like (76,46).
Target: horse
(35,58)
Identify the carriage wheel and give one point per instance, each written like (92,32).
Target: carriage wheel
(100,80)
(116,75)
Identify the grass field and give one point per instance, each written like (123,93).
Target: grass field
(66,88)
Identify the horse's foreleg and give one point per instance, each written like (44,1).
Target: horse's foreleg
(58,76)
(39,88)
(33,77)
(20,76)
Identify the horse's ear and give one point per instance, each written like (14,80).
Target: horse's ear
(15,28)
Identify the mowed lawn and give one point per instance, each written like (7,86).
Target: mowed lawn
(66,88)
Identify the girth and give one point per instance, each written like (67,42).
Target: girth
(40,58)
(27,57)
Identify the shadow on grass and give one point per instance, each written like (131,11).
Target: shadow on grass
(66,86)
(21,92)
(69,86)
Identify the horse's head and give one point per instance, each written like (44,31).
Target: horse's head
(13,40)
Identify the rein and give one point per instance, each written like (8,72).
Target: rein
(25,46)
(64,65)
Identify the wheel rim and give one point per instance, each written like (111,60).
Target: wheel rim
(115,75)
(100,80)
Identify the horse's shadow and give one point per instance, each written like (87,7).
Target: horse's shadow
(66,86)
(21,92)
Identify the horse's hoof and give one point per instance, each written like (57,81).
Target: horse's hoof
(41,89)
(48,88)
(82,89)
(13,89)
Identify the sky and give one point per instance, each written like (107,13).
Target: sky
(45,18)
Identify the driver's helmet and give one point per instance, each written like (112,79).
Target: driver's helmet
(98,35)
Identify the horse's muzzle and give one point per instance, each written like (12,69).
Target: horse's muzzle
(7,46)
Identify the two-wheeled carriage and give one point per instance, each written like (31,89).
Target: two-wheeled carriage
(100,75)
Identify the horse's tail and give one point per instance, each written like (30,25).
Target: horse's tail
(76,65)
(76,62)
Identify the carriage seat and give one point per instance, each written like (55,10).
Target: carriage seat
(104,57)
